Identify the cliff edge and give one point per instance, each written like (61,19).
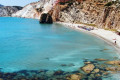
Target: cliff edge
(101,13)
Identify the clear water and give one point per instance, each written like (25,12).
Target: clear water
(26,44)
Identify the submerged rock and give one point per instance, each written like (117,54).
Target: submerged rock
(63,65)
(88,62)
(70,65)
(88,68)
(113,68)
(116,62)
(96,70)
(58,72)
(101,59)
(46,18)
(49,73)
(75,77)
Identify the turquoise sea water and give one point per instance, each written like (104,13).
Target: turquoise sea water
(26,44)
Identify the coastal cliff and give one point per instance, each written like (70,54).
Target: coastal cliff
(29,11)
(101,13)
(32,10)
(8,10)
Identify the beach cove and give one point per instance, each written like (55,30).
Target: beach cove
(69,54)
(108,36)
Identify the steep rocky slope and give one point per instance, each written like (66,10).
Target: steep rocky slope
(32,10)
(8,10)
(29,11)
(92,12)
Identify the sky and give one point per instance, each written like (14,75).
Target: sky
(16,2)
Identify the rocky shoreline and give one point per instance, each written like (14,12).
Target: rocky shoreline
(96,69)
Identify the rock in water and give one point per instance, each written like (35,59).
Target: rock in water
(101,59)
(43,18)
(49,19)
(46,18)
(88,68)
(75,77)
(116,62)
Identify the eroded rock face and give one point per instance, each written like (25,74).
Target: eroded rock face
(83,11)
(9,10)
(92,12)
(46,18)
(32,10)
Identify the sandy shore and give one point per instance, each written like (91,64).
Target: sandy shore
(105,34)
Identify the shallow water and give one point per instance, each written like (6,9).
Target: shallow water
(27,45)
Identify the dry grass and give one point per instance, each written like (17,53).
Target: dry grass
(115,30)
(87,24)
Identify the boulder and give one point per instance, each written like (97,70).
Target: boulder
(101,59)
(75,77)
(88,62)
(113,68)
(58,72)
(96,70)
(116,62)
(46,18)
(88,68)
